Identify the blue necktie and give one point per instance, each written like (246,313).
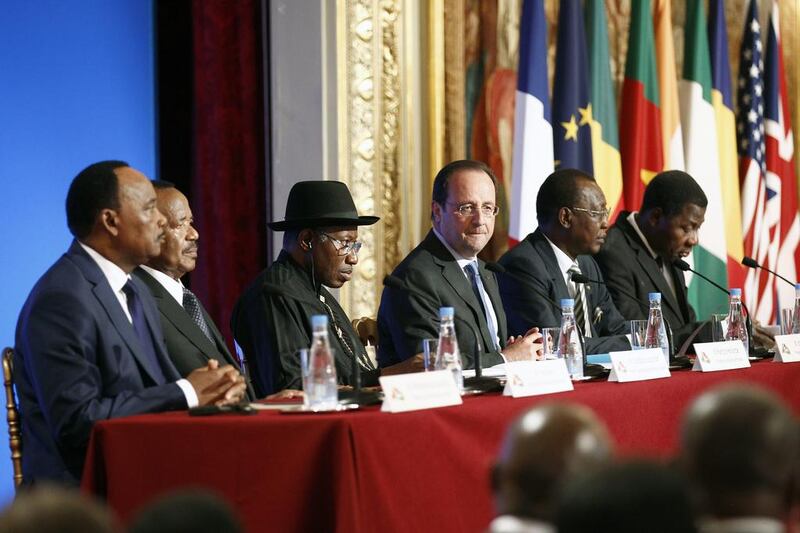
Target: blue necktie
(146,342)
(483,297)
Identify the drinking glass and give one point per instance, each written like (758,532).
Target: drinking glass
(429,347)
(305,373)
(786,320)
(719,326)
(550,342)
(638,334)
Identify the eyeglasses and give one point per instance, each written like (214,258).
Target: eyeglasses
(344,247)
(597,215)
(470,210)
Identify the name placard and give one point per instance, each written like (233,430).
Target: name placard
(420,390)
(788,348)
(723,355)
(531,378)
(638,365)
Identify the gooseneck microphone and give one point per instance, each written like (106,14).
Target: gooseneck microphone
(479,382)
(683,265)
(582,278)
(752,263)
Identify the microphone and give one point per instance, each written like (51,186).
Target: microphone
(355,371)
(683,265)
(497,268)
(581,278)
(752,263)
(479,382)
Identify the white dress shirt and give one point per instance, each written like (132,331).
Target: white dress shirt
(117,278)
(463,262)
(172,286)
(565,262)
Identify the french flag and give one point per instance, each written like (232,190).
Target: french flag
(533,132)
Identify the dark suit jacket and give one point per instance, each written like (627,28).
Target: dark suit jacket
(628,266)
(533,259)
(405,319)
(187,345)
(77,360)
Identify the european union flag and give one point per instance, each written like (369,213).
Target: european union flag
(572,111)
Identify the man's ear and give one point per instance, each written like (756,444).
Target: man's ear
(655,217)
(109,220)
(305,238)
(436,212)
(564,217)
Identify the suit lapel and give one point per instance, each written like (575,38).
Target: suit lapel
(108,300)
(545,251)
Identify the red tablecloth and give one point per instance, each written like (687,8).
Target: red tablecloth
(367,470)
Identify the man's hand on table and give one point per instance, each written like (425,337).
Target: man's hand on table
(524,347)
(217,385)
(412,364)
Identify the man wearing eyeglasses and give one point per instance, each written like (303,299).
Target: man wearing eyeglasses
(444,271)
(272,319)
(573,220)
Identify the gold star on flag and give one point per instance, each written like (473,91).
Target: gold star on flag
(586,114)
(572,129)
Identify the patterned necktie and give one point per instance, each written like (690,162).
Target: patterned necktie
(580,304)
(142,331)
(363,359)
(192,307)
(483,297)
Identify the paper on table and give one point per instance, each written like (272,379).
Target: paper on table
(497,371)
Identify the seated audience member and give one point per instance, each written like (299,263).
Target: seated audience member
(631,497)
(89,344)
(444,271)
(272,319)
(543,449)
(739,449)
(53,509)
(191,336)
(640,248)
(573,219)
(187,511)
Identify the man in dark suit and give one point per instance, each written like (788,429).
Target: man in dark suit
(88,344)
(573,219)
(640,248)
(191,336)
(444,271)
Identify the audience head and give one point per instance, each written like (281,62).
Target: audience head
(672,211)
(187,511)
(321,230)
(740,453)
(464,205)
(542,449)
(571,210)
(112,208)
(51,509)
(629,497)
(179,249)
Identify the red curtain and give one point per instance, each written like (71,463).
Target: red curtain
(229,178)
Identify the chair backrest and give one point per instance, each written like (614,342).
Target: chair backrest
(12,415)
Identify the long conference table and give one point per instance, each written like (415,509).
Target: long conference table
(371,471)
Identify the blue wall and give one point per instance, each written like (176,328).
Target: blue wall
(76,86)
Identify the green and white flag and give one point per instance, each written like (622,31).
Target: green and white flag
(700,148)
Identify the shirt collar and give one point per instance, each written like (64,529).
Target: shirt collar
(633,223)
(172,286)
(461,260)
(116,277)
(565,262)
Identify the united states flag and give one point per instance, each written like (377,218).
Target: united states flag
(760,207)
(780,161)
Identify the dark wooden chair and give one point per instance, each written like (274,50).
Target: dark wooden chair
(12,415)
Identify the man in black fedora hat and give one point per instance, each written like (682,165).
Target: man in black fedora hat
(272,319)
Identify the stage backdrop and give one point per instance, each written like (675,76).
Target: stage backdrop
(77,87)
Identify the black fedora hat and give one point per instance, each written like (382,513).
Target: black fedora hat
(312,204)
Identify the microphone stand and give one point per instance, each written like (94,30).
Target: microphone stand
(752,263)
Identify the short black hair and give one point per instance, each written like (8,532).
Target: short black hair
(672,191)
(558,190)
(95,188)
(443,176)
(162,184)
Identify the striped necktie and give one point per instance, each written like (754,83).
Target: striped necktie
(580,304)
